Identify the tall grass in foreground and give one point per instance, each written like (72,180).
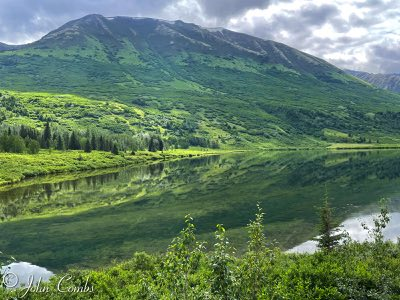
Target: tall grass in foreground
(187,270)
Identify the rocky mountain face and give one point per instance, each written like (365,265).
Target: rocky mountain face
(389,82)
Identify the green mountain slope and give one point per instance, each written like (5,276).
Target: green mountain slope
(228,86)
(389,82)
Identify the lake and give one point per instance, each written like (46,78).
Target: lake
(89,219)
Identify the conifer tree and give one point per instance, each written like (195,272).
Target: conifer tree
(114,149)
(330,234)
(88,147)
(46,136)
(93,142)
(74,142)
(60,143)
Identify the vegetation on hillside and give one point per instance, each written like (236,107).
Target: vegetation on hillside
(352,270)
(65,122)
(196,86)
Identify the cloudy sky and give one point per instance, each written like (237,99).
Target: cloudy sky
(356,34)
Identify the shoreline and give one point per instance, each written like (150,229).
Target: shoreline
(20,168)
(24,167)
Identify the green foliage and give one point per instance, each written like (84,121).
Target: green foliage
(16,167)
(254,266)
(186,271)
(222,277)
(330,235)
(33,146)
(114,149)
(181,263)
(380,223)
(156,144)
(228,93)
(47,136)
(88,146)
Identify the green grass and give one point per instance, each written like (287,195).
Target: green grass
(16,167)
(349,146)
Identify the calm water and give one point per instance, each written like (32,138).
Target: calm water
(59,222)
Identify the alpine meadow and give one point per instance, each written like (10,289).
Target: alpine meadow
(142,158)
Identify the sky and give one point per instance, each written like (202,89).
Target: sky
(362,35)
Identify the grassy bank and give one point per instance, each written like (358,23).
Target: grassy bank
(16,167)
(345,146)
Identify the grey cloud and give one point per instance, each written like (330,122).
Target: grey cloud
(228,8)
(299,26)
(386,56)
(318,15)
(21,20)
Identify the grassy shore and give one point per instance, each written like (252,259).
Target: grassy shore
(16,167)
(362,146)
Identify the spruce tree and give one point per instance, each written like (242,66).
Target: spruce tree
(102,146)
(114,149)
(330,234)
(47,136)
(60,143)
(88,147)
(93,142)
(160,144)
(74,142)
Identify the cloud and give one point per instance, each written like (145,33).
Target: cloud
(386,56)
(357,34)
(228,8)
(22,21)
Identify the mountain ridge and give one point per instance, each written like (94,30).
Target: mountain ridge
(198,82)
(389,82)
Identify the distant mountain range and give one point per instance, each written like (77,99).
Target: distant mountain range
(389,82)
(190,81)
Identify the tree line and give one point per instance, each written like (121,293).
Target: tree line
(24,139)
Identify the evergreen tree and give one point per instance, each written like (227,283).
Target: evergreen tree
(114,149)
(154,144)
(160,144)
(74,142)
(329,236)
(93,142)
(47,136)
(88,146)
(60,143)
(102,146)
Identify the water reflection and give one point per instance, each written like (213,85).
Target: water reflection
(356,231)
(91,191)
(89,221)
(22,274)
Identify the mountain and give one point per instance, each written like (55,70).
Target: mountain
(389,82)
(193,82)
(4,47)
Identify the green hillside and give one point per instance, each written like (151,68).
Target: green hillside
(187,81)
